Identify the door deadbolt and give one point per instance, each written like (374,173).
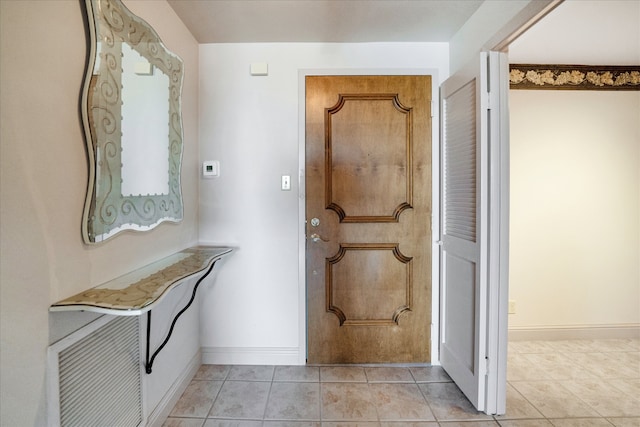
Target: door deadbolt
(315,222)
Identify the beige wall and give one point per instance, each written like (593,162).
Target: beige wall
(575,210)
(575,178)
(43,182)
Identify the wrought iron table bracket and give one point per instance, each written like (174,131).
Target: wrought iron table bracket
(149,362)
(140,291)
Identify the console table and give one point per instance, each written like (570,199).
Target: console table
(141,290)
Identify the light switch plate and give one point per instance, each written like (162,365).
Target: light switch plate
(286,182)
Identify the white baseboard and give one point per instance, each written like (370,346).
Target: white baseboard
(573,332)
(250,355)
(159,415)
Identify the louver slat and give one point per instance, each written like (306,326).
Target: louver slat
(99,377)
(460,155)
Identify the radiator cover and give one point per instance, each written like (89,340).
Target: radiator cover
(95,375)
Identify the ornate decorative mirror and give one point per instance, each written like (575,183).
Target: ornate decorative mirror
(131,112)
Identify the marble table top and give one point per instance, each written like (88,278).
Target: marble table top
(137,292)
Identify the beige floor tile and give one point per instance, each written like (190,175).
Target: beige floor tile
(297,373)
(400,402)
(634,343)
(342,374)
(634,356)
(232,423)
(576,346)
(630,360)
(408,424)
(520,368)
(606,399)
(619,345)
(557,366)
(625,422)
(606,365)
(525,423)
(429,374)
(469,424)
(183,422)
(530,347)
(388,375)
(572,383)
(449,404)
(350,424)
(212,372)
(580,422)
(629,386)
(241,399)
(196,399)
(553,400)
(294,401)
(518,407)
(292,424)
(251,373)
(347,402)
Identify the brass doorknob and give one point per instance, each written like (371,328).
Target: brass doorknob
(316,238)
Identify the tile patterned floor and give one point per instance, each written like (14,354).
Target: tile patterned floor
(550,383)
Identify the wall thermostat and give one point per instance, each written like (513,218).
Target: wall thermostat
(211,169)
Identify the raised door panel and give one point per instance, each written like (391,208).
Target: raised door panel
(368,184)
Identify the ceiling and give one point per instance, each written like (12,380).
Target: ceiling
(256,21)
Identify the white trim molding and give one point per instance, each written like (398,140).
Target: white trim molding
(575,332)
(250,356)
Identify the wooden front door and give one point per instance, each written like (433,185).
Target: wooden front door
(368,211)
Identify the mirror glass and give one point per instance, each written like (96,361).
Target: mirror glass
(145,96)
(133,125)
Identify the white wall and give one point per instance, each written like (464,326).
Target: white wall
(602,32)
(575,177)
(43,182)
(251,125)
(494,22)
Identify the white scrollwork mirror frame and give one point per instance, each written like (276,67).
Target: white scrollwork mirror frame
(107,211)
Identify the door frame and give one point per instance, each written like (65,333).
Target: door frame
(435,195)
(499,42)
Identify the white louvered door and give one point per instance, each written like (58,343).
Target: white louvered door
(467,298)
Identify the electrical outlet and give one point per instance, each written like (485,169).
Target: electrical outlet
(512,306)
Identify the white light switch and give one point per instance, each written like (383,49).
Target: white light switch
(286,182)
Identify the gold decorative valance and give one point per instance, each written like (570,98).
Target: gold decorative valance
(574,77)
